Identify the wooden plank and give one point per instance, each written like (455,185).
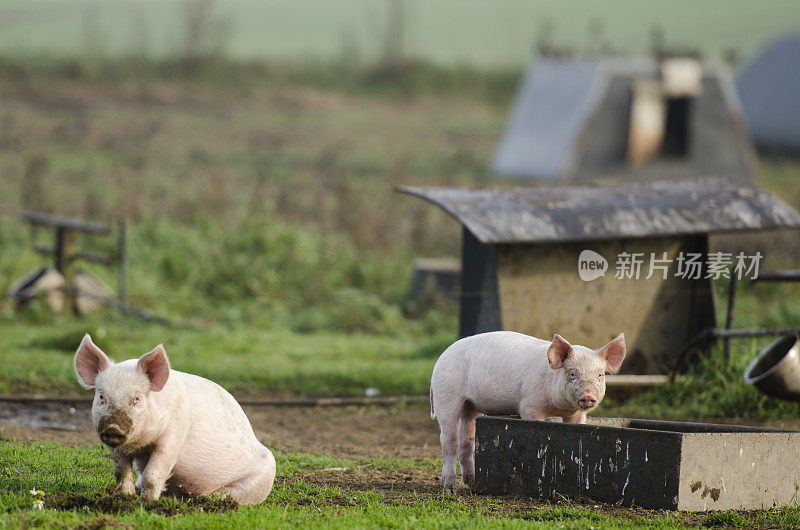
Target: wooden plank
(636,381)
(71,223)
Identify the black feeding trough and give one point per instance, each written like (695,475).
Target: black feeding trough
(633,462)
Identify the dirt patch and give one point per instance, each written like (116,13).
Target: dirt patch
(63,423)
(394,482)
(340,432)
(110,501)
(409,486)
(350,432)
(64,416)
(24,433)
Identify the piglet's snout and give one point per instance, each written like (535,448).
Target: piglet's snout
(112,435)
(587,401)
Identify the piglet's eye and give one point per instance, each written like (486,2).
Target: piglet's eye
(100,397)
(135,399)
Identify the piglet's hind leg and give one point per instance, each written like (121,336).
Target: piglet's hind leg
(466,437)
(254,488)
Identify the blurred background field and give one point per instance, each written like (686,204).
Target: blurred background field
(447,32)
(254,149)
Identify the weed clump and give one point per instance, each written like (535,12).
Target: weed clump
(105,521)
(712,387)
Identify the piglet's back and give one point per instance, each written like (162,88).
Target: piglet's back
(497,350)
(220,444)
(212,409)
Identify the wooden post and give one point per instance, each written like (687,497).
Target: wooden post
(122,262)
(58,249)
(63,251)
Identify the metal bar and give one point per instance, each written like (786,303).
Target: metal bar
(41,249)
(742,333)
(726,351)
(94,257)
(710,334)
(778,276)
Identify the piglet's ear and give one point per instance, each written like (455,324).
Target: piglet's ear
(89,361)
(560,350)
(614,353)
(155,366)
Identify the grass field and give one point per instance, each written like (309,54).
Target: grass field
(310,492)
(282,363)
(247,361)
(499,33)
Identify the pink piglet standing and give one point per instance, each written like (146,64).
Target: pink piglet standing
(503,372)
(184,435)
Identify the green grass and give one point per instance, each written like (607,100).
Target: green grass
(252,362)
(83,476)
(712,388)
(244,360)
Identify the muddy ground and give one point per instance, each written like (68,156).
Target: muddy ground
(404,431)
(398,431)
(348,432)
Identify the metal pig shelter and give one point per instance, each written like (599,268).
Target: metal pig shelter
(769,86)
(576,121)
(520,259)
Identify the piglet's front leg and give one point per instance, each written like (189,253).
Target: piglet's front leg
(576,417)
(123,472)
(158,468)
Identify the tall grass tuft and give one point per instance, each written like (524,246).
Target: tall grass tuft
(714,387)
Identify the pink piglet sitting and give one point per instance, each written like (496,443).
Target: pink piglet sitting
(184,435)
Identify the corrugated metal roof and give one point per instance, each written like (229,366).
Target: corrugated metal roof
(549,214)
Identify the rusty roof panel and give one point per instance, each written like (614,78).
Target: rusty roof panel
(548,214)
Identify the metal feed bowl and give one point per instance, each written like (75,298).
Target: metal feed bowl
(776,369)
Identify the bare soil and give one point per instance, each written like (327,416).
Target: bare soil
(405,432)
(363,432)
(406,486)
